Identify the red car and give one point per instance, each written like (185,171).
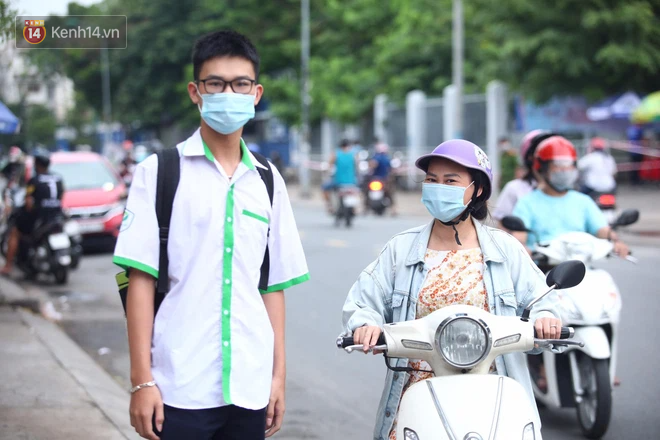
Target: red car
(94,194)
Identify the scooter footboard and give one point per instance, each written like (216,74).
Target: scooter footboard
(465,404)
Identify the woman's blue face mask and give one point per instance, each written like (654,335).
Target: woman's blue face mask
(444,202)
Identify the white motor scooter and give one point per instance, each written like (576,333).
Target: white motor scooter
(460,343)
(582,377)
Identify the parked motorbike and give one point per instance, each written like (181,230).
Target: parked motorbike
(460,343)
(72,229)
(378,199)
(47,250)
(348,198)
(582,377)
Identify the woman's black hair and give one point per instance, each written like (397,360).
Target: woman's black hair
(478,206)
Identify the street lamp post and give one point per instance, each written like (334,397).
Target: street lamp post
(107,104)
(457,64)
(305,99)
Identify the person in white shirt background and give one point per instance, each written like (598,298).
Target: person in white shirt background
(211,364)
(597,169)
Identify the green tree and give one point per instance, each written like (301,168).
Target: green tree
(593,48)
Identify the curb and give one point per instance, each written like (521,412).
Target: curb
(36,300)
(104,392)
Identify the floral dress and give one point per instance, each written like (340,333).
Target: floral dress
(455,277)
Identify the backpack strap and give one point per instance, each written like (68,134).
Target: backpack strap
(267,176)
(168,179)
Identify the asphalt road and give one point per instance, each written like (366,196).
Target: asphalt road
(332,395)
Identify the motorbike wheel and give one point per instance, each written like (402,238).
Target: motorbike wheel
(61,275)
(4,243)
(349,217)
(379,210)
(595,407)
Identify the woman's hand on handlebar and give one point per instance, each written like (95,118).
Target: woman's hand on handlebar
(367,335)
(548,328)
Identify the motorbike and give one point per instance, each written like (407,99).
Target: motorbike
(47,250)
(378,199)
(72,229)
(607,204)
(582,377)
(348,198)
(460,343)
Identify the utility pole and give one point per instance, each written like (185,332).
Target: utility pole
(457,64)
(107,104)
(305,100)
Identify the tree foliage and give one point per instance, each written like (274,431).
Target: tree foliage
(360,48)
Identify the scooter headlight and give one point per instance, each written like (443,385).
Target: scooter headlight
(409,434)
(463,341)
(528,432)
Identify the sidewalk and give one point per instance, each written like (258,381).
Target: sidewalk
(51,389)
(645,232)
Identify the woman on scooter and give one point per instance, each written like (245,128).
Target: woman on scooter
(454,259)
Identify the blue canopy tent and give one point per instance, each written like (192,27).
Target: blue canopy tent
(9,124)
(615,107)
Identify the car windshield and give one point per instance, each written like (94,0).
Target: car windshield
(84,175)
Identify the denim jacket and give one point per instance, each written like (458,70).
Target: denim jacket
(387,291)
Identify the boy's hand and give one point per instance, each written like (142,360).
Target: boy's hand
(275,411)
(146,403)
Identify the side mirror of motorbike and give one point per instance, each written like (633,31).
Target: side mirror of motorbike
(513,223)
(627,217)
(563,276)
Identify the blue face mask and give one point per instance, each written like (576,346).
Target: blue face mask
(226,112)
(444,202)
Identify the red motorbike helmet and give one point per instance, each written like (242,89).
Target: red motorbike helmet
(554,148)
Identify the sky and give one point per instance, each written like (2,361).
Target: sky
(46,7)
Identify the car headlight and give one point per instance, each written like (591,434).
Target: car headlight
(463,341)
(409,434)
(528,432)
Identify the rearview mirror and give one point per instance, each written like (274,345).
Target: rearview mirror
(627,217)
(513,223)
(567,274)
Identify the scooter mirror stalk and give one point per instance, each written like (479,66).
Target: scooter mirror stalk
(563,276)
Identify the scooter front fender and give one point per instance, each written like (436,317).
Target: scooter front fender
(596,344)
(444,408)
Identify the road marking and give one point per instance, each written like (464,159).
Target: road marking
(335,243)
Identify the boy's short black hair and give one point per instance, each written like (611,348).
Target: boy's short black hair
(223,44)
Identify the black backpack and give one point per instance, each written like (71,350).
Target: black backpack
(167,182)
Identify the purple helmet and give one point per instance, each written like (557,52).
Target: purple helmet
(464,153)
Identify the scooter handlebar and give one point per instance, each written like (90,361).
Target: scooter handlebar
(347,341)
(566,333)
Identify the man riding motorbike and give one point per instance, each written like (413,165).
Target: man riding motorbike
(43,202)
(344,162)
(380,168)
(555,208)
(598,169)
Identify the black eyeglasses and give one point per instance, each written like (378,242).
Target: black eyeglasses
(216,85)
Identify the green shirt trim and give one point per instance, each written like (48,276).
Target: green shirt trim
(245,154)
(127,263)
(286,284)
(255,216)
(227,282)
